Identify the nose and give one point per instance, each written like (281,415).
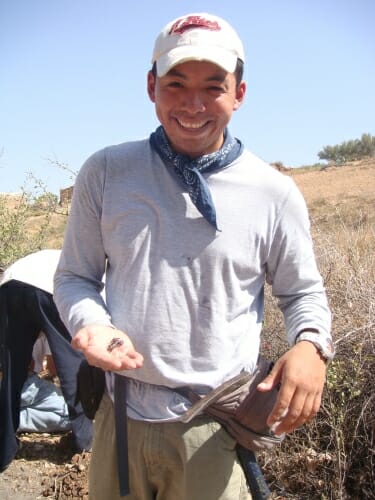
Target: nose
(193,101)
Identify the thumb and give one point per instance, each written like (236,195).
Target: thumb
(80,341)
(272,379)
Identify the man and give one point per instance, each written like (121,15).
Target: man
(188,227)
(26,309)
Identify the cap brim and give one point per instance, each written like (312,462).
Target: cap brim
(223,58)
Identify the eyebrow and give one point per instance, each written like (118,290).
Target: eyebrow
(216,77)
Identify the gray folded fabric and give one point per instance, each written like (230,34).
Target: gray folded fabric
(241,408)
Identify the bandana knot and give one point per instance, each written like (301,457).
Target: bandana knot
(189,171)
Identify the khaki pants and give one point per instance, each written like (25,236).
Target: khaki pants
(167,461)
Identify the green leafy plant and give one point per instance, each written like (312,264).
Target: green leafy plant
(351,150)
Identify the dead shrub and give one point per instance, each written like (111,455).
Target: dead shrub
(334,456)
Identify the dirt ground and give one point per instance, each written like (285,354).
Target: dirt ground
(45,467)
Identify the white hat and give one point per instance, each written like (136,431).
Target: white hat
(197,37)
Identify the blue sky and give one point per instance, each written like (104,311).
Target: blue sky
(73,78)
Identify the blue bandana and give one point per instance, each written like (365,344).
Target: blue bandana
(189,170)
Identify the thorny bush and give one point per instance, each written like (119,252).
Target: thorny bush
(334,456)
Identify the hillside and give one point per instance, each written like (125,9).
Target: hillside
(339,196)
(334,185)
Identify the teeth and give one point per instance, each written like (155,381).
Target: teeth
(191,125)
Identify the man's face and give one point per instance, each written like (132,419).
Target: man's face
(194,102)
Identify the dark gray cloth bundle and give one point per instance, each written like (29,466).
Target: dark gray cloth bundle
(240,408)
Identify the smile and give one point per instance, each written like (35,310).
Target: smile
(190,125)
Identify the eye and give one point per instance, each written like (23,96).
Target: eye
(216,89)
(174,84)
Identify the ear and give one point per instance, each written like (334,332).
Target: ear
(151,85)
(240,95)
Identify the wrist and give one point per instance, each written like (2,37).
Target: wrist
(323,344)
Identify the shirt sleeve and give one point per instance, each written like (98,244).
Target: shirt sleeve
(78,280)
(293,273)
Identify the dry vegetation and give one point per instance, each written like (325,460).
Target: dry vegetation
(333,457)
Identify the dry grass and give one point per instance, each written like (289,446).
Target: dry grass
(335,184)
(56,229)
(334,457)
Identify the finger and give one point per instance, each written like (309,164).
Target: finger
(80,342)
(132,360)
(137,357)
(281,406)
(299,414)
(111,364)
(126,350)
(124,361)
(315,407)
(299,411)
(272,379)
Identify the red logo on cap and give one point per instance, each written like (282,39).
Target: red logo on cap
(188,23)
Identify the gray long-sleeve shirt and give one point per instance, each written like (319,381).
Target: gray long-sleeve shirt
(190,298)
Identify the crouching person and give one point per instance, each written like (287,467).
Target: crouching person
(27,308)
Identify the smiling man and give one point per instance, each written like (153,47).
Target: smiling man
(188,226)
(194,102)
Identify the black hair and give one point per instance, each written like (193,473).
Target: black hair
(238,72)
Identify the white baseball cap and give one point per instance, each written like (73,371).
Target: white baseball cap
(197,37)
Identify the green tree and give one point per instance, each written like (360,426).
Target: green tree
(351,150)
